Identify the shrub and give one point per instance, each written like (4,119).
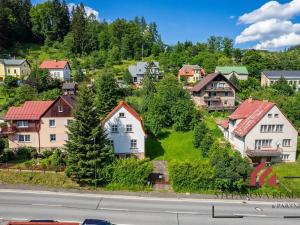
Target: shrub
(191,176)
(25,153)
(6,156)
(128,173)
(46,154)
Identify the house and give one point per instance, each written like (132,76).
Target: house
(138,71)
(240,72)
(215,92)
(270,77)
(39,124)
(19,68)
(57,69)
(259,130)
(69,88)
(125,129)
(191,73)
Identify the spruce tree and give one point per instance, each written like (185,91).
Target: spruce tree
(106,93)
(89,150)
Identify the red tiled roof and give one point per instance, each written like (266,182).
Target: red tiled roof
(53,64)
(251,112)
(223,123)
(30,110)
(129,109)
(188,70)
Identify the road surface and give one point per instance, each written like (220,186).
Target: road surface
(131,210)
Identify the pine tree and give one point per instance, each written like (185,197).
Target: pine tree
(106,93)
(88,148)
(79,24)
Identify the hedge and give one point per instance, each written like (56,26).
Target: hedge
(191,176)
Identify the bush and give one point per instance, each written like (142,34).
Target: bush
(6,156)
(130,173)
(25,153)
(191,176)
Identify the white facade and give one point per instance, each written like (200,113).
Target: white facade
(126,133)
(62,74)
(274,129)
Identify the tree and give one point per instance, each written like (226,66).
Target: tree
(227,44)
(148,89)
(79,76)
(235,81)
(88,148)
(11,82)
(106,93)
(214,43)
(205,144)
(283,87)
(200,130)
(127,77)
(2,146)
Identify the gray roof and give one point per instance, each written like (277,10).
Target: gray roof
(140,68)
(194,67)
(287,74)
(69,86)
(13,61)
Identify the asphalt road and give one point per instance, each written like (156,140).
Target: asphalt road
(25,205)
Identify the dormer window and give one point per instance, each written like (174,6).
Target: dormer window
(122,115)
(60,108)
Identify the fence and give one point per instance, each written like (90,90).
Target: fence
(32,168)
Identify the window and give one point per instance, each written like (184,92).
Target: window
(112,143)
(226,93)
(270,115)
(286,142)
(271,128)
(225,102)
(129,128)
(122,115)
(276,115)
(22,123)
(221,85)
(133,143)
(114,128)
(24,138)
(279,128)
(265,143)
(51,123)
(52,137)
(285,156)
(60,108)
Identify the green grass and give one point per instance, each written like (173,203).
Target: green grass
(172,145)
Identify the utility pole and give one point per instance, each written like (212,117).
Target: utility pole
(142,52)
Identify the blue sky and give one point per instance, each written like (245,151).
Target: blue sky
(196,20)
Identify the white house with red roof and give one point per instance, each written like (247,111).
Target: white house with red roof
(57,69)
(259,130)
(125,129)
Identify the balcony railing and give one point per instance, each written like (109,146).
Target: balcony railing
(218,89)
(6,130)
(220,108)
(264,152)
(212,98)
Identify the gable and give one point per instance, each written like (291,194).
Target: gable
(53,110)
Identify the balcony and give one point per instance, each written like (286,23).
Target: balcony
(220,108)
(219,89)
(265,152)
(5,130)
(212,98)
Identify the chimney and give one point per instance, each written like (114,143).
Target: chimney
(250,99)
(265,100)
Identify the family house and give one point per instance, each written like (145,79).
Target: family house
(125,129)
(191,73)
(240,72)
(19,68)
(215,92)
(259,130)
(39,124)
(270,77)
(57,69)
(139,70)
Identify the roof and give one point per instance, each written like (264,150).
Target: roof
(223,123)
(207,79)
(241,70)
(68,86)
(288,74)
(30,110)
(54,64)
(69,99)
(251,112)
(129,109)
(187,70)
(140,68)
(13,61)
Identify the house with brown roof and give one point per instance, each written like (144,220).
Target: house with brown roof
(57,69)
(125,129)
(259,130)
(191,73)
(215,92)
(39,124)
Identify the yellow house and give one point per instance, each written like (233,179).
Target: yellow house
(19,68)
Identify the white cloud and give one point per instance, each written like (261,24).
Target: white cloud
(285,40)
(89,11)
(272,9)
(267,29)
(271,27)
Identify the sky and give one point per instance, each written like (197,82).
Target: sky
(260,24)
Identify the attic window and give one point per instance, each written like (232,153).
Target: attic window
(122,115)
(60,108)
(270,115)
(276,115)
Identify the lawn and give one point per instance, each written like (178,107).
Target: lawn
(172,145)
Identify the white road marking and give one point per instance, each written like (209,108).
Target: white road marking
(114,209)
(250,215)
(38,204)
(135,197)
